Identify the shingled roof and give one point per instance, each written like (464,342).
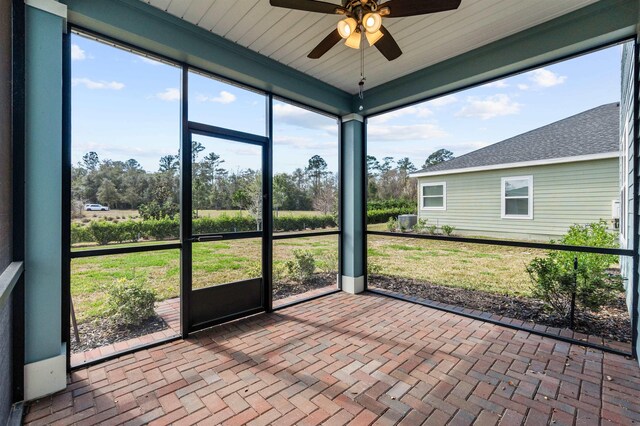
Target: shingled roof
(595,131)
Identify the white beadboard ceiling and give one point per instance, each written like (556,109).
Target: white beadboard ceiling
(287,36)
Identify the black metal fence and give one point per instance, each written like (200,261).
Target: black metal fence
(520,325)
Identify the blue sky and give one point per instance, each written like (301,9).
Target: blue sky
(127,106)
(477,117)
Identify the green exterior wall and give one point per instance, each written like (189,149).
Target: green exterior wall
(626,126)
(563,194)
(43,184)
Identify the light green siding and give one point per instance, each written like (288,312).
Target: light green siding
(563,194)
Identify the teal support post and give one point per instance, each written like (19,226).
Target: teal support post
(353,200)
(45,356)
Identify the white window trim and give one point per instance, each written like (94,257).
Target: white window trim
(444,196)
(503,215)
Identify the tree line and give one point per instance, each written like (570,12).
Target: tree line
(389,180)
(126,185)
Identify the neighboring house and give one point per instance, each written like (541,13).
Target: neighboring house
(531,186)
(626,166)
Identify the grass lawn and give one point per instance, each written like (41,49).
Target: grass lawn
(489,268)
(133,214)
(213,263)
(495,269)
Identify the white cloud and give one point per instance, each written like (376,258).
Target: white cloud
(465,147)
(223,97)
(500,84)
(444,100)
(77,54)
(94,85)
(523,86)
(489,107)
(300,142)
(544,78)
(169,94)
(416,132)
(292,115)
(416,110)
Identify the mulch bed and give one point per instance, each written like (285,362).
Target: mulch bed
(286,287)
(612,322)
(102,332)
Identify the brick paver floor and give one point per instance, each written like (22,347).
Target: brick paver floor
(169,311)
(353,359)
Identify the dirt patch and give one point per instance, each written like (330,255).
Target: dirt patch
(286,287)
(102,332)
(612,322)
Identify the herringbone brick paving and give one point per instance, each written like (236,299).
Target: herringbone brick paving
(359,360)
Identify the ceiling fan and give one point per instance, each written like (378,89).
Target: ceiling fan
(365,17)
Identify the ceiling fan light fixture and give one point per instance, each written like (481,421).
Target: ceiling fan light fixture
(347,27)
(372,38)
(372,22)
(354,40)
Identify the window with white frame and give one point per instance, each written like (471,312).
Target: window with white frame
(517,197)
(434,196)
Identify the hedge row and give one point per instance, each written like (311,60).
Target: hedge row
(391,204)
(104,232)
(383,215)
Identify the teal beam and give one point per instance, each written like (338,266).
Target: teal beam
(353,223)
(592,26)
(43,164)
(141,25)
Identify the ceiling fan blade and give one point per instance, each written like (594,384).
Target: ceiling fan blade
(388,46)
(327,43)
(400,8)
(309,6)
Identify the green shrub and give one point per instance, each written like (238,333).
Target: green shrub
(302,266)
(382,216)
(224,223)
(80,234)
(160,229)
(104,232)
(129,231)
(431,229)
(421,226)
(448,229)
(392,224)
(300,223)
(392,204)
(129,303)
(555,280)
